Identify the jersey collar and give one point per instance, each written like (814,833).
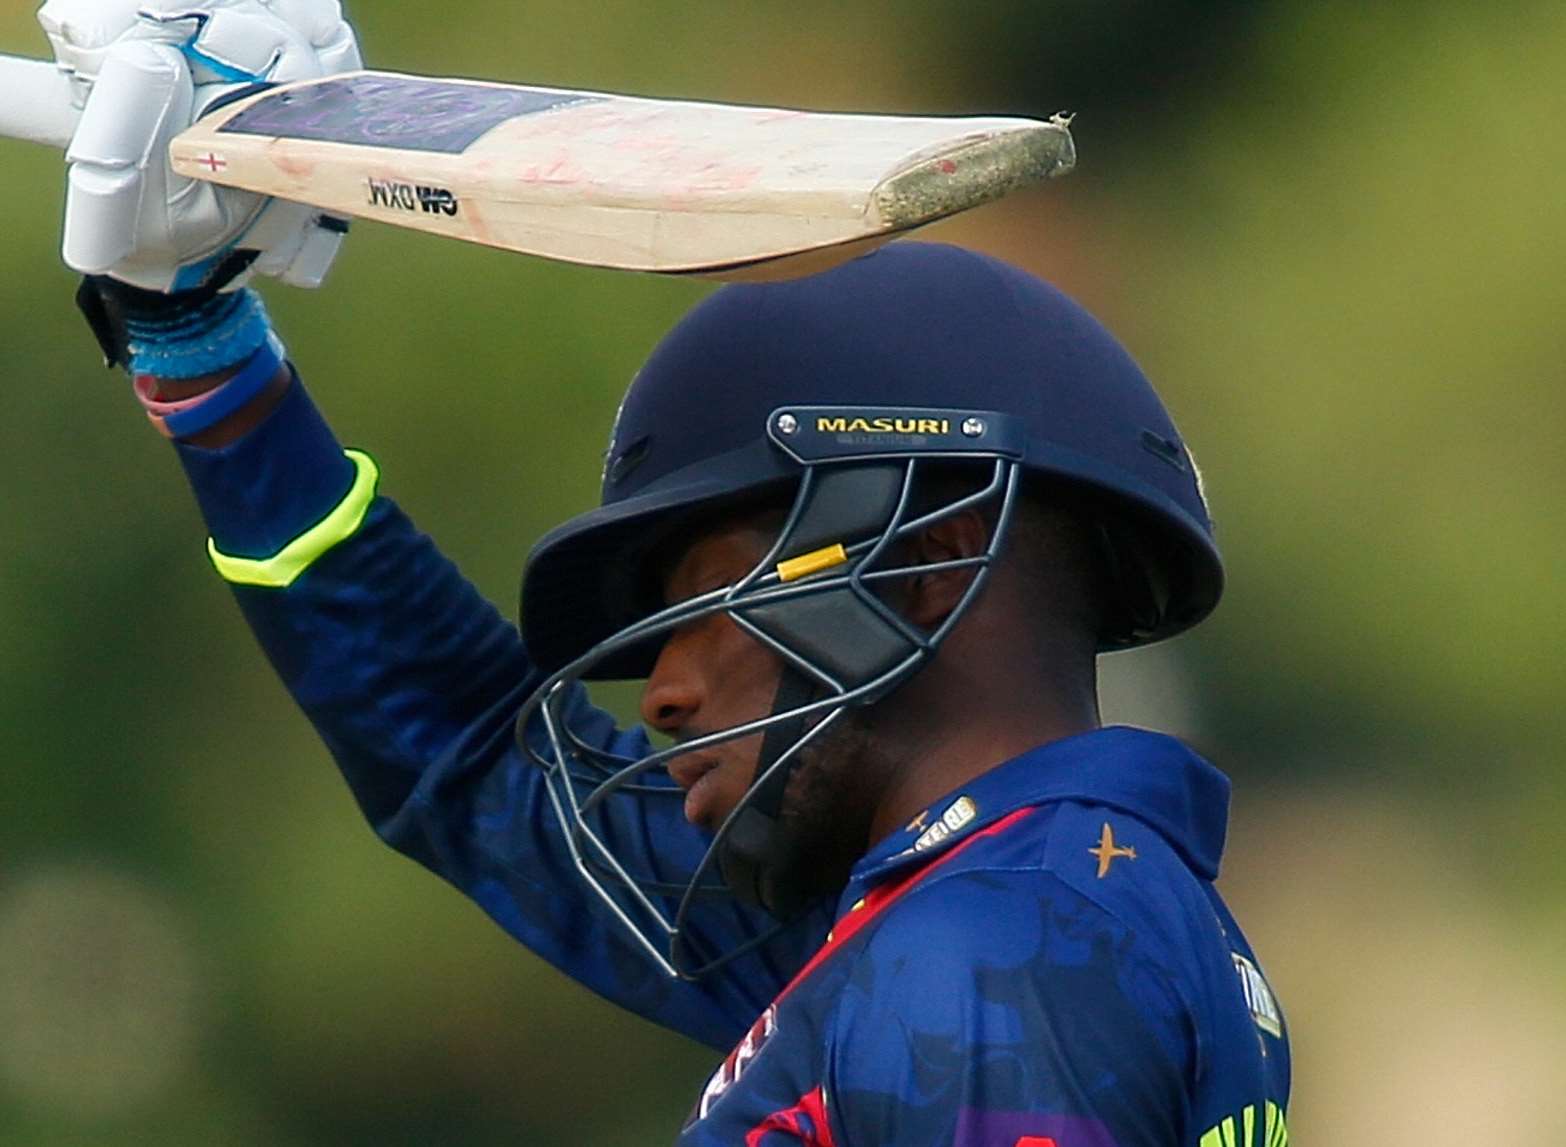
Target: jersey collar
(1152,776)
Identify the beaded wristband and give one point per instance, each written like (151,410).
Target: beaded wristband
(185,417)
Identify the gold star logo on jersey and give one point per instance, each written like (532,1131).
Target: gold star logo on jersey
(1108,852)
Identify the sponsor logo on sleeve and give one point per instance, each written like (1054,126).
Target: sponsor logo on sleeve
(738,1060)
(1258,996)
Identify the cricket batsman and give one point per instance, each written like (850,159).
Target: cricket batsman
(863,536)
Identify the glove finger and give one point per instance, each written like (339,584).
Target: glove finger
(87,24)
(278,226)
(80,31)
(341,54)
(295,246)
(275,260)
(296,61)
(204,219)
(238,44)
(316,20)
(115,157)
(308,39)
(101,211)
(309,267)
(321,22)
(143,87)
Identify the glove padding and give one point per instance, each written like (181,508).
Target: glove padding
(146,71)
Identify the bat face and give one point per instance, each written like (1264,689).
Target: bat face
(615,181)
(373,109)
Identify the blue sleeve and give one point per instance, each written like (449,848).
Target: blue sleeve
(414,683)
(1003,1009)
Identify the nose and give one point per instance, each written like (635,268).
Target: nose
(674,691)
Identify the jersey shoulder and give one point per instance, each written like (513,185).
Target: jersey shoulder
(1004,992)
(990,936)
(1101,871)
(1133,873)
(1136,875)
(1107,868)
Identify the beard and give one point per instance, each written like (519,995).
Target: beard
(831,802)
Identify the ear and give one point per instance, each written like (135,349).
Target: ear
(931,597)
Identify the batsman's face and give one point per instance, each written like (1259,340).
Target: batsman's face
(711,675)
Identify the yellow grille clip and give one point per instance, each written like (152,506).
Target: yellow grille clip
(813,562)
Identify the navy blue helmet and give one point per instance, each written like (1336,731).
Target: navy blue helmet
(834,397)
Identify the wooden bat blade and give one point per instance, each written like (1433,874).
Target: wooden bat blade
(615,181)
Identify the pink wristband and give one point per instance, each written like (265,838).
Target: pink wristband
(158,408)
(183,417)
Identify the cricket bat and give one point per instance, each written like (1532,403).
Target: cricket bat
(606,180)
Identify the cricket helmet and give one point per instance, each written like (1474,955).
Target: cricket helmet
(836,397)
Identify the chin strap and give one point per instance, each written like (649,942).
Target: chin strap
(757,856)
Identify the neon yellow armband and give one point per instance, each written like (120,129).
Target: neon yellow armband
(280,570)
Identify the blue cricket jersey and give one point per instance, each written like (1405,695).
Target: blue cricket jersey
(1039,959)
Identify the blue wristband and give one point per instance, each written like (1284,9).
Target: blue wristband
(212,336)
(218,404)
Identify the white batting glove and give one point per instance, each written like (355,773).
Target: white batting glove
(145,71)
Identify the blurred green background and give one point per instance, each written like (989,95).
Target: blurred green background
(1333,234)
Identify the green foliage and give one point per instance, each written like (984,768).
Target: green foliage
(1351,290)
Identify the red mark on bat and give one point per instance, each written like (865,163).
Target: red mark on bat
(949,168)
(211,162)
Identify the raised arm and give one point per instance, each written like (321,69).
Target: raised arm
(413,681)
